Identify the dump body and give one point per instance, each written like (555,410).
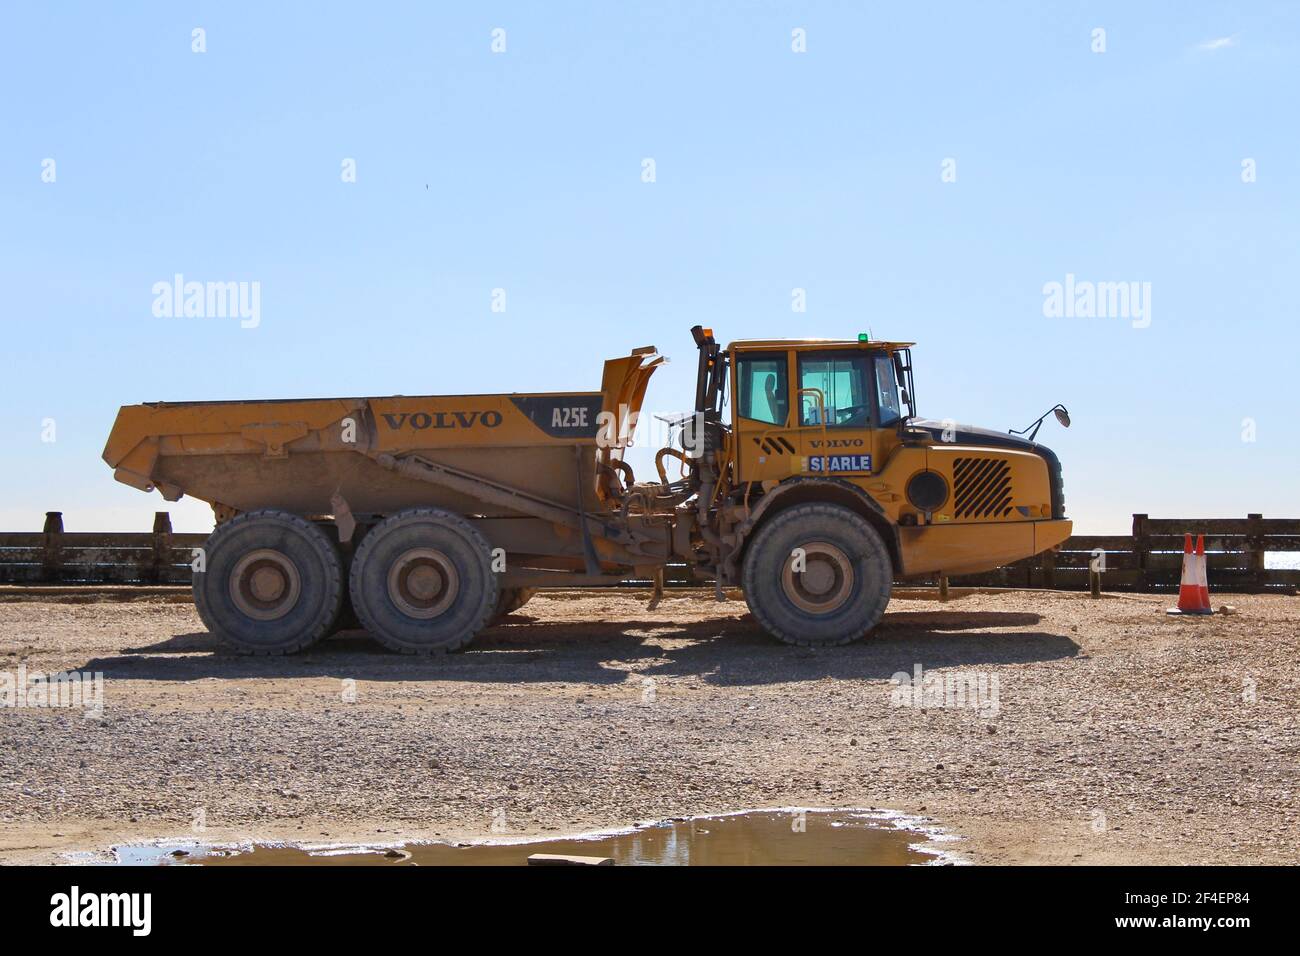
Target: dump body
(297,455)
(528,469)
(303,455)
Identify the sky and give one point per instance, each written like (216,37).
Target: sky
(921,171)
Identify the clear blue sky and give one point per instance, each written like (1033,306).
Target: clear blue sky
(775,170)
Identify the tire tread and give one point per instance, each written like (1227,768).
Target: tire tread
(333,582)
(449,519)
(801,514)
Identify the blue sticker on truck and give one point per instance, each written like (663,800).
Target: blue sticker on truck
(839,463)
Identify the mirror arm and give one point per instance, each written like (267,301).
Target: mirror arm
(1033,427)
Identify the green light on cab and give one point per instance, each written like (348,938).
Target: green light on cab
(864,337)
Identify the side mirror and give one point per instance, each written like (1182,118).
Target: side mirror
(907,399)
(1062,415)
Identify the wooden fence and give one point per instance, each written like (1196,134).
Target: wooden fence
(55,556)
(1150,559)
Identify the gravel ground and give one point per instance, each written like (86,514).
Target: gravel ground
(1118,735)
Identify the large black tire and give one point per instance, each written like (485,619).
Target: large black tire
(511,600)
(843,588)
(422,582)
(347,618)
(272,583)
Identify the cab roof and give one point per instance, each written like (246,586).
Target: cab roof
(816,344)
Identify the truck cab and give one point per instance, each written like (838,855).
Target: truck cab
(829,486)
(816,407)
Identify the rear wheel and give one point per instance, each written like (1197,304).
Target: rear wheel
(272,583)
(817,575)
(511,600)
(422,582)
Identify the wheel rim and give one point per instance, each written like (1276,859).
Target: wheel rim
(423,583)
(825,582)
(265,584)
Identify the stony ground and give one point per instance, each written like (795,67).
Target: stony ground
(1117,734)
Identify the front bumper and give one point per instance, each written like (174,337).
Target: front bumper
(971,548)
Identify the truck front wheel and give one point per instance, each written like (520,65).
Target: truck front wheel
(422,582)
(272,583)
(817,575)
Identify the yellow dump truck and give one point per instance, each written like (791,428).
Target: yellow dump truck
(431,516)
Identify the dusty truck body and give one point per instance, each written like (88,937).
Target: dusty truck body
(433,515)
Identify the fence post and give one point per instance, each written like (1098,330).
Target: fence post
(1048,561)
(52,553)
(1255,551)
(162,547)
(1141,550)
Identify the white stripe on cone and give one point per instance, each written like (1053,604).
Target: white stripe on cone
(1202,576)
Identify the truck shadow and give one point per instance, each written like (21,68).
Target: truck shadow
(726,651)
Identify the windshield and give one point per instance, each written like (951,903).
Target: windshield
(836,384)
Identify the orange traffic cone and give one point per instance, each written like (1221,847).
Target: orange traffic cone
(1190,592)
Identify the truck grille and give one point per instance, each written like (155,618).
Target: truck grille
(982,488)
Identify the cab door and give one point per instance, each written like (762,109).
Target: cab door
(765,427)
(843,430)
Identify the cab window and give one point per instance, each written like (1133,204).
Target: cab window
(763,387)
(841,381)
(887,400)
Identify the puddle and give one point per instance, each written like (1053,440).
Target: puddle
(788,836)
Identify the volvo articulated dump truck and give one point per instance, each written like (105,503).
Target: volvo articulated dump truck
(431,516)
